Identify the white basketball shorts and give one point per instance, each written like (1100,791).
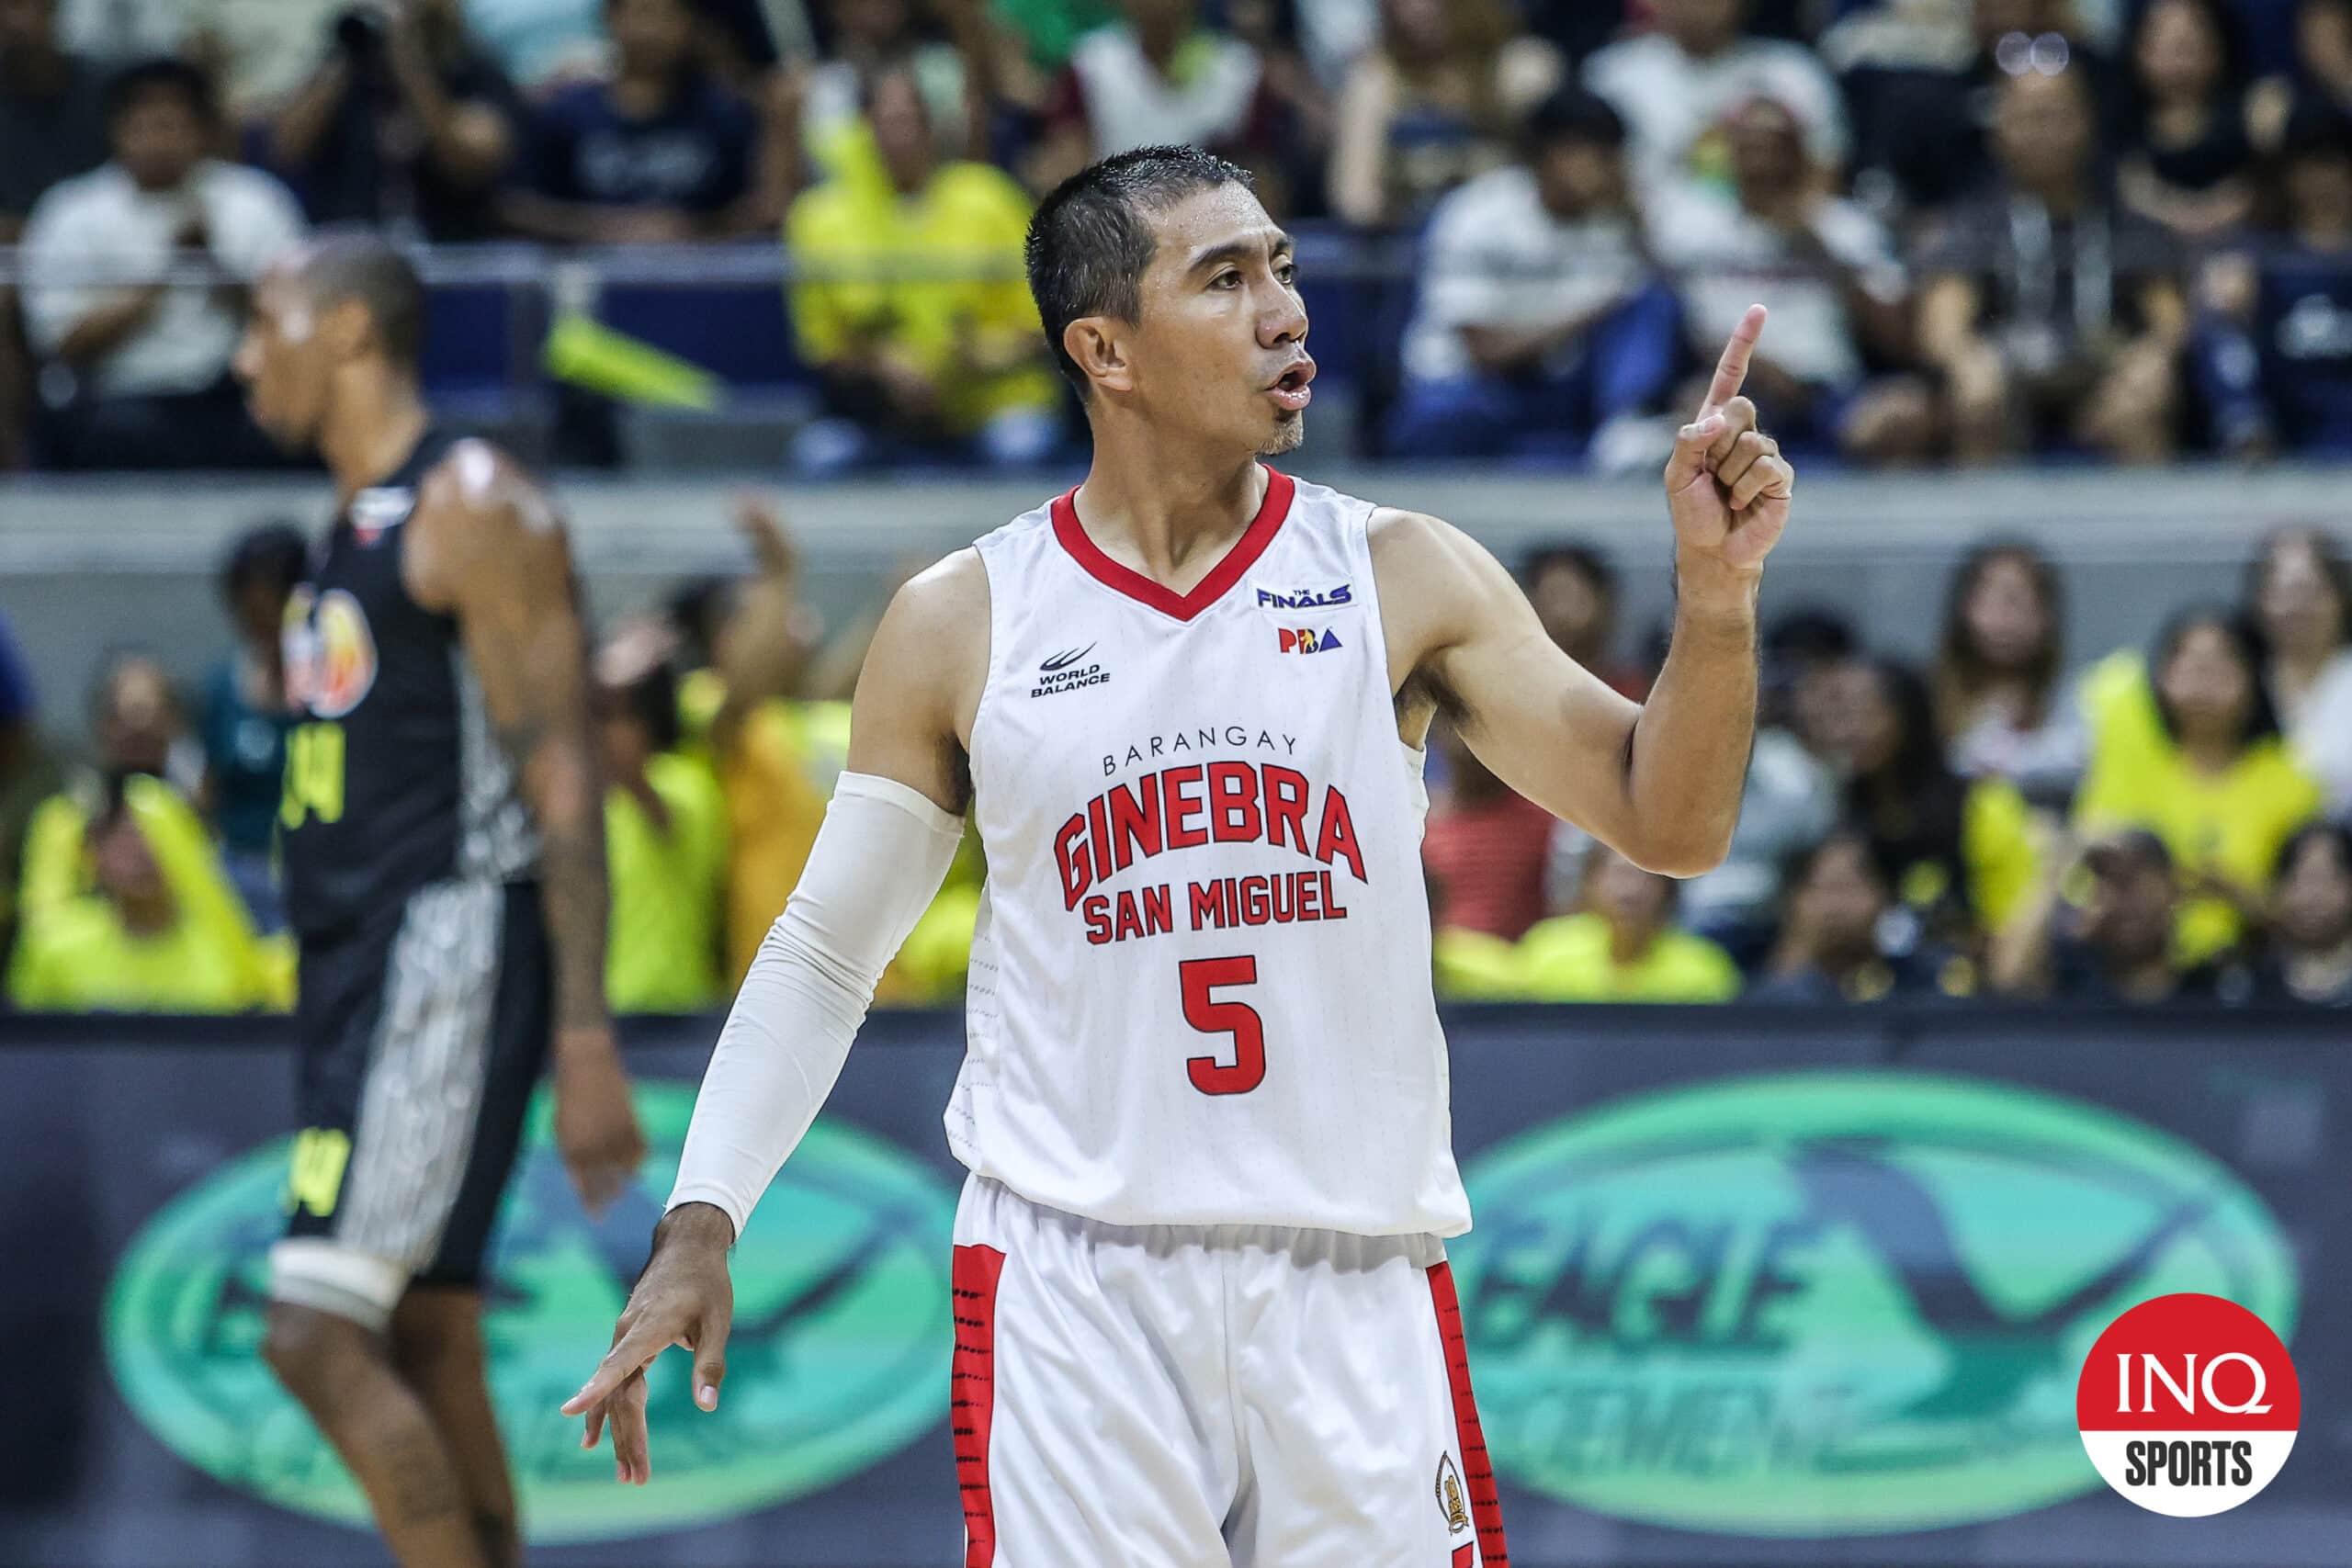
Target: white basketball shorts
(1211,1396)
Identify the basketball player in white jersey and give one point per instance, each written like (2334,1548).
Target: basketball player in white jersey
(1203,1311)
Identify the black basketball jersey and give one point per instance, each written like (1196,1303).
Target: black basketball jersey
(394,777)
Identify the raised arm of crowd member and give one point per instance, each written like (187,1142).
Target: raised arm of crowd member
(468,139)
(760,646)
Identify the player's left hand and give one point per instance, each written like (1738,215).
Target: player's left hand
(595,1125)
(1728,487)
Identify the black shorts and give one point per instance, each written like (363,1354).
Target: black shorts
(422,1036)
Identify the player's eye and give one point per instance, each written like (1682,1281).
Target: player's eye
(1227,279)
(1286,273)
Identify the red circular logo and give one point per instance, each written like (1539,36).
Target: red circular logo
(2188,1404)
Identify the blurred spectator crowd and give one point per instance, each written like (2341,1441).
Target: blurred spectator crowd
(2115,229)
(2017,819)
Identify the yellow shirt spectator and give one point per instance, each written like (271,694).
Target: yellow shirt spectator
(1477,966)
(775,802)
(2229,820)
(668,884)
(933,278)
(148,924)
(1568,959)
(1997,840)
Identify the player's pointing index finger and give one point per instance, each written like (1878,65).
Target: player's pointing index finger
(1731,370)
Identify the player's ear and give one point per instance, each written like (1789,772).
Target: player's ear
(1093,343)
(347,328)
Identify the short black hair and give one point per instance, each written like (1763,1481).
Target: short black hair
(1090,244)
(166,74)
(352,263)
(2130,844)
(273,552)
(697,611)
(651,701)
(1586,560)
(1575,115)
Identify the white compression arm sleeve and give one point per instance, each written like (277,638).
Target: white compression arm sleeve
(879,860)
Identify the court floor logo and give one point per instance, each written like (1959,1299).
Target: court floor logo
(1829,1304)
(839,1354)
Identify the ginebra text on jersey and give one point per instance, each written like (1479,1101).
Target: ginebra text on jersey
(1201,803)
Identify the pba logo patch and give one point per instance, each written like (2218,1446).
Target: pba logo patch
(329,653)
(2188,1404)
(1307,639)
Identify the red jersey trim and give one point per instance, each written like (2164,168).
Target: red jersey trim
(974,1281)
(1158,596)
(1477,1470)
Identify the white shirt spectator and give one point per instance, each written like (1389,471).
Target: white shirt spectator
(1725,259)
(1496,257)
(1130,104)
(2320,730)
(90,238)
(1673,104)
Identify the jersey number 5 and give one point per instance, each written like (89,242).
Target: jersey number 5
(1205,1013)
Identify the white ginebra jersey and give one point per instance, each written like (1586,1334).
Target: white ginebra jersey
(1200,985)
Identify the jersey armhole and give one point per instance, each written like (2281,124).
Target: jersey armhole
(989,673)
(1359,539)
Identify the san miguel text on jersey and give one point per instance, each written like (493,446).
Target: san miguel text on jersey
(1186,806)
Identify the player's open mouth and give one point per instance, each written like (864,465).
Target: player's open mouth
(1291,392)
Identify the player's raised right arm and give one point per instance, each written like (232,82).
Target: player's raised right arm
(888,837)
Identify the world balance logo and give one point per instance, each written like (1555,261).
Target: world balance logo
(1827,1303)
(839,1356)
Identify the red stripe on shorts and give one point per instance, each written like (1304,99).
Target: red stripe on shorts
(973,1280)
(1486,1507)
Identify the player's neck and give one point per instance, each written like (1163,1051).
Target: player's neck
(1163,510)
(374,425)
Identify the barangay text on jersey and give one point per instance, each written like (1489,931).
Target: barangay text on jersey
(1184,800)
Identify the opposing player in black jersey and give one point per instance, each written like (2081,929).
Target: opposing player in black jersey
(444,845)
